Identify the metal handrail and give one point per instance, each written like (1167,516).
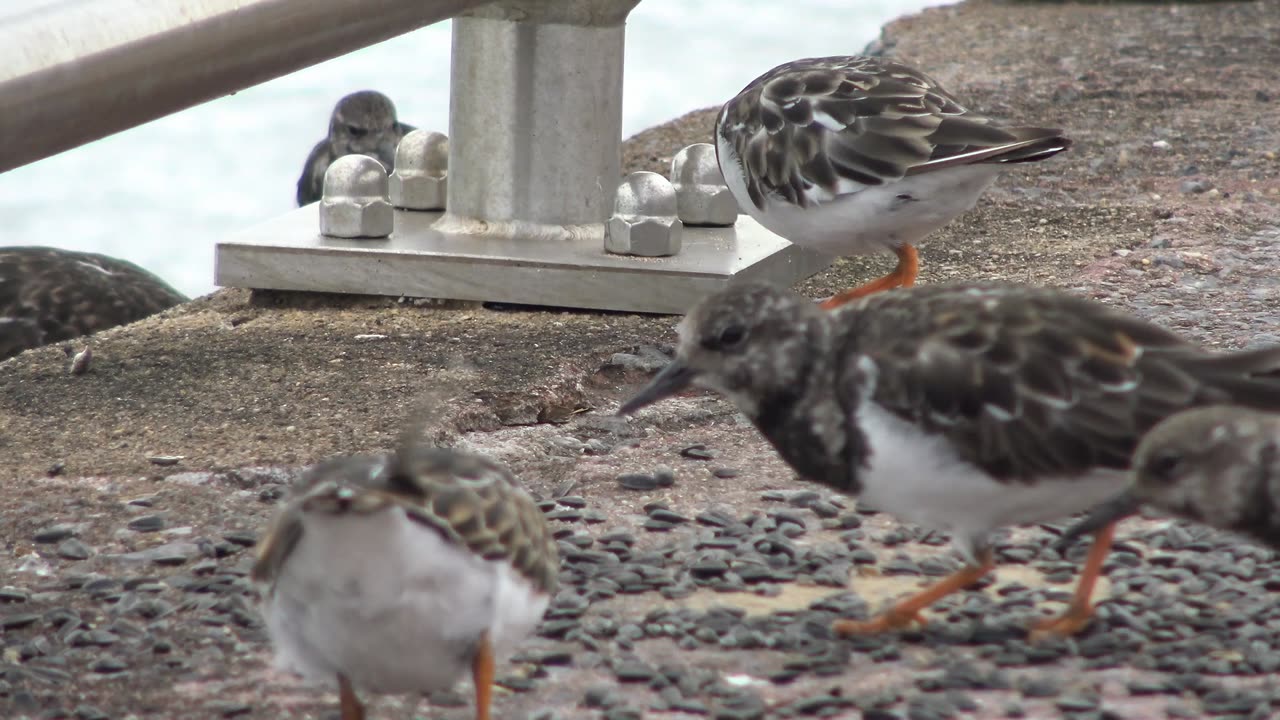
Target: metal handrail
(78,70)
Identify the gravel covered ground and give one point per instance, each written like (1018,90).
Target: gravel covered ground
(700,577)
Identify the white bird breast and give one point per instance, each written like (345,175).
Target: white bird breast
(919,477)
(863,219)
(387,602)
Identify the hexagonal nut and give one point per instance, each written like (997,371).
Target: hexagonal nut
(702,196)
(649,237)
(420,180)
(644,218)
(355,203)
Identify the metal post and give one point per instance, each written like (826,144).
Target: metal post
(78,70)
(532,178)
(535,95)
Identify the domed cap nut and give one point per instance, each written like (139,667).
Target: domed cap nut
(644,218)
(355,203)
(420,180)
(702,196)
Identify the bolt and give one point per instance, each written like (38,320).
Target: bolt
(644,218)
(701,193)
(421,177)
(355,204)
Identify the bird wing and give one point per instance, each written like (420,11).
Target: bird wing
(480,505)
(469,500)
(1030,382)
(815,129)
(49,294)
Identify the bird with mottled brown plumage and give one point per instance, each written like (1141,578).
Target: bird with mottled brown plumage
(48,295)
(853,155)
(962,408)
(1217,465)
(362,123)
(401,573)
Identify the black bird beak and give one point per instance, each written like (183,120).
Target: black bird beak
(1117,508)
(675,377)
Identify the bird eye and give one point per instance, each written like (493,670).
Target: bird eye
(1163,466)
(357,131)
(730,336)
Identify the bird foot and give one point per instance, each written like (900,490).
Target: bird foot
(888,282)
(904,275)
(892,619)
(1075,619)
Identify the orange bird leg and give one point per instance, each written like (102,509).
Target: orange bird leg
(902,276)
(908,611)
(1080,611)
(482,677)
(347,700)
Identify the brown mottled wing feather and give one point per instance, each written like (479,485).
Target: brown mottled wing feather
(1029,381)
(48,295)
(471,501)
(817,128)
(479,504)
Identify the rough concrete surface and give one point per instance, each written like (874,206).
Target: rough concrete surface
(1168,204)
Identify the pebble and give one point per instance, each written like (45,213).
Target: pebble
(601,696)
(13,595)
(827,510)
(243,538)
(699,451)
(228,708)
(900,564)
(638,481)
(73,549)
(82,361)
(174,553)
(147,523)
(1038,687)
(632,670)
(1077,703)
(18,620)
(165,460)
(646,359)
(107,664)
(669,516)
(54,533)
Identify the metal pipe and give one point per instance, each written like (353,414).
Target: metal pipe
(535,119)
(75,71)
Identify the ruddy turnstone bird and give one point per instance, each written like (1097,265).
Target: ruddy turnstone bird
(48,295)
(961,408)
(396,575)
(855,155)
(362,123)
(1217,465)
